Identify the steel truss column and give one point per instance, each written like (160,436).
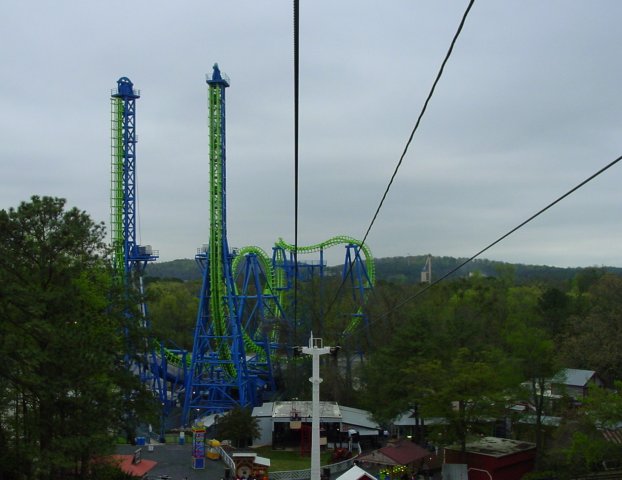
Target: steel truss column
(219,378)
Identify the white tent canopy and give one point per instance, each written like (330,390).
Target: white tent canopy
(356,473)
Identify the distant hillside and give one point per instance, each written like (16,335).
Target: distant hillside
(182,269)
(408,269)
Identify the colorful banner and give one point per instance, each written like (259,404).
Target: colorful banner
(198,443)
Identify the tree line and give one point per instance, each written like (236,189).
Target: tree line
(407,270)
(468,350)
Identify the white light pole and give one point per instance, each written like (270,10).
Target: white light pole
(315,349)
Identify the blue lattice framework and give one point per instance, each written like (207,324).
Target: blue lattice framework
(358,273)
(130,259)
(222,374)
(135,257)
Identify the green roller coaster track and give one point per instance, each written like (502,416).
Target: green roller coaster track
(331,242)
(276,282)
(275,278)
(218,289)
(266,264)
(116,189)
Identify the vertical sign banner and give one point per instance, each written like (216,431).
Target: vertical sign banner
(198,443)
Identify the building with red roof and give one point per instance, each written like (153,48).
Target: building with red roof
(492,458)
(404,453)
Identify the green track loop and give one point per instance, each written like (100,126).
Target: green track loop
(276,282)
(331,242)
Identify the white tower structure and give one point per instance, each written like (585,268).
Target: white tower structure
(315,349)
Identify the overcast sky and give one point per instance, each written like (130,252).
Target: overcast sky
(529,106)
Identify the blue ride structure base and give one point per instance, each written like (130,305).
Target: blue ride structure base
(241,322)
(229,367)
(131,259)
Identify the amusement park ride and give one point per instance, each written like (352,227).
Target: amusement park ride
(244,308)
(130,258)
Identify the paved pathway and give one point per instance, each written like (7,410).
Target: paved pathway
(175,461)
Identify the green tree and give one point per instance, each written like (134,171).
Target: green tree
(467,391)
(580,448)
(593,336)
(534,354)
(65,388)
(239,426)
(530,349)
(444,354)
(173,310)
(604,406)
(554,306)
(398,333)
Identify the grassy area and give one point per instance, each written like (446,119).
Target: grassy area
(281,460)
(174,438)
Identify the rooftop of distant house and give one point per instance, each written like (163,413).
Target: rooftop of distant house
(496,447)
(574,377)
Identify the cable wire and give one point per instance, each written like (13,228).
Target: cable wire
(296,95)
(423,110)
(410,139)
(503,237)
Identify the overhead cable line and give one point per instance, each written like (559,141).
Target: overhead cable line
(503,237)
(425,106)
(410,139)
(296,94)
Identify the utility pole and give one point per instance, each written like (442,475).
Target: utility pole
(315,349)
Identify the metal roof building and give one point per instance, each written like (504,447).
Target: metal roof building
(296,413)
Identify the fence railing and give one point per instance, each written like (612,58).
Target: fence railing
(227,459)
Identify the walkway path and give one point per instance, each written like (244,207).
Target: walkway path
(175,461)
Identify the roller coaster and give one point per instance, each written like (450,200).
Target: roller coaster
(244,318)
(130,258)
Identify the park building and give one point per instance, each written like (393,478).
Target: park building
(287,424)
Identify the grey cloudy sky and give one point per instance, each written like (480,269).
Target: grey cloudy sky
(528,107)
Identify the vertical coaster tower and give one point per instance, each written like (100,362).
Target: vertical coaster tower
(221,374)
(130,259)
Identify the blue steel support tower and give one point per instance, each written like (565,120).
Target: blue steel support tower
(130,258)
(219,378)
